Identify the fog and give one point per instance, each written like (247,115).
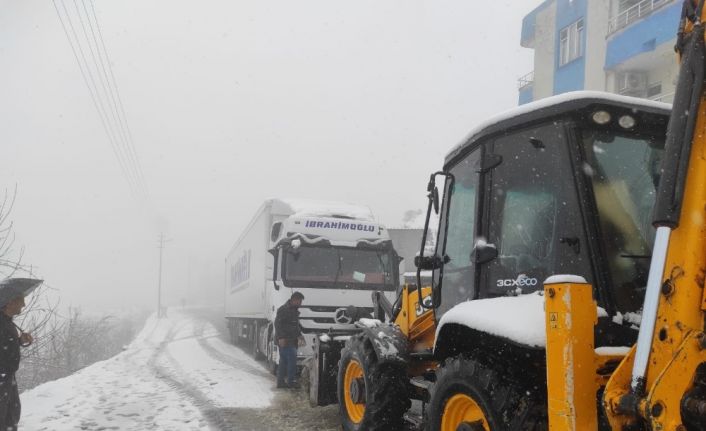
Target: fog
(230,103)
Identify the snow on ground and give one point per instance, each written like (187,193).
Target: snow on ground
(218,380)
(174,375)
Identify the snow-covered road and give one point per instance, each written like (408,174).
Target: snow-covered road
(178,374)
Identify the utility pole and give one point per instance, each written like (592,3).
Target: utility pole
(162,240)
(185,299)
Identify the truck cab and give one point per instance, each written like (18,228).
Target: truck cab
(334,253)
(336,263)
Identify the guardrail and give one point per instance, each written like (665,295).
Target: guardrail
(525,80)
(634,13)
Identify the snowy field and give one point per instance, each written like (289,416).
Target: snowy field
(178,374)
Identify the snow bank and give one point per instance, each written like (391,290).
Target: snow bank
(174,370)
(120,393)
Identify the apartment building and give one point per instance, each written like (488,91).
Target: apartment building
(620,46)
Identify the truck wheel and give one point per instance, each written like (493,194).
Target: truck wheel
(470,396)
(371,396)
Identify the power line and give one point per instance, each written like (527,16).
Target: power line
(107,130)
(110,111)
(113,92)
(117,92)
(111,108)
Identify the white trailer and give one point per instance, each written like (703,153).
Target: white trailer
(335,254)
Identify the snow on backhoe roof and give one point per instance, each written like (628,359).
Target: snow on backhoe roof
(549,102)
(314,208)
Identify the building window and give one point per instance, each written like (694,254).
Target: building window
(571,42)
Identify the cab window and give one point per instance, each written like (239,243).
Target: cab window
(624,172)
(534,219)
(458,277)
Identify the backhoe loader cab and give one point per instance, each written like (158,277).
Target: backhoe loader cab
(562,186)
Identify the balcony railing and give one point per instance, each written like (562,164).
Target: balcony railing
(665,97)
(634,13)
(525,80)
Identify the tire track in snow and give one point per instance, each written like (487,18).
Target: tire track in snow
(227,359)
(145,340)
(213,416)
(106,414)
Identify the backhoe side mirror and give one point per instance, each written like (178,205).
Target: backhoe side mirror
(483,252)
(435,199)
(430,263)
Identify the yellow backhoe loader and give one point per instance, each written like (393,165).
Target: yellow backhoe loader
(561,186)
(567,285)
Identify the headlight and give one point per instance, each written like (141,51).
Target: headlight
(627,121)
(601,117)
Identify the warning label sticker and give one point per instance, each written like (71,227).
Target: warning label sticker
(554,320)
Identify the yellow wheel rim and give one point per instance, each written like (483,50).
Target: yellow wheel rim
(355,410)
(461,408)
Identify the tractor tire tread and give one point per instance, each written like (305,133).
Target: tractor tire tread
(387,393)
(507,405)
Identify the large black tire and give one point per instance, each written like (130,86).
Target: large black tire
(386,397)
(506,405)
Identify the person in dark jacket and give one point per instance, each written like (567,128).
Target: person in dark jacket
(288,335)
(10,342)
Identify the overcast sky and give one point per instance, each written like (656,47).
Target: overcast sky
(230,102)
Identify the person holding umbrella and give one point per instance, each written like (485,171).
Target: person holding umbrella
(12,300)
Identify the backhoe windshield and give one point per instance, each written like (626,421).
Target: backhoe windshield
(339,268)
(624,171)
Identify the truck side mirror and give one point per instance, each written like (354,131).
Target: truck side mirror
(276,228)
(275,253)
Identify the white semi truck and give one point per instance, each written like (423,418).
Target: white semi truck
(335,254)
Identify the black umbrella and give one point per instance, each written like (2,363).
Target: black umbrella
(11,288)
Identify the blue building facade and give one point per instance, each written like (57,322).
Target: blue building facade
(621,46)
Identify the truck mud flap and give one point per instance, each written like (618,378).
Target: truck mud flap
(322,371)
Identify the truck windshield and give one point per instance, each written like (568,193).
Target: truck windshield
(624,171)
(339,268)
